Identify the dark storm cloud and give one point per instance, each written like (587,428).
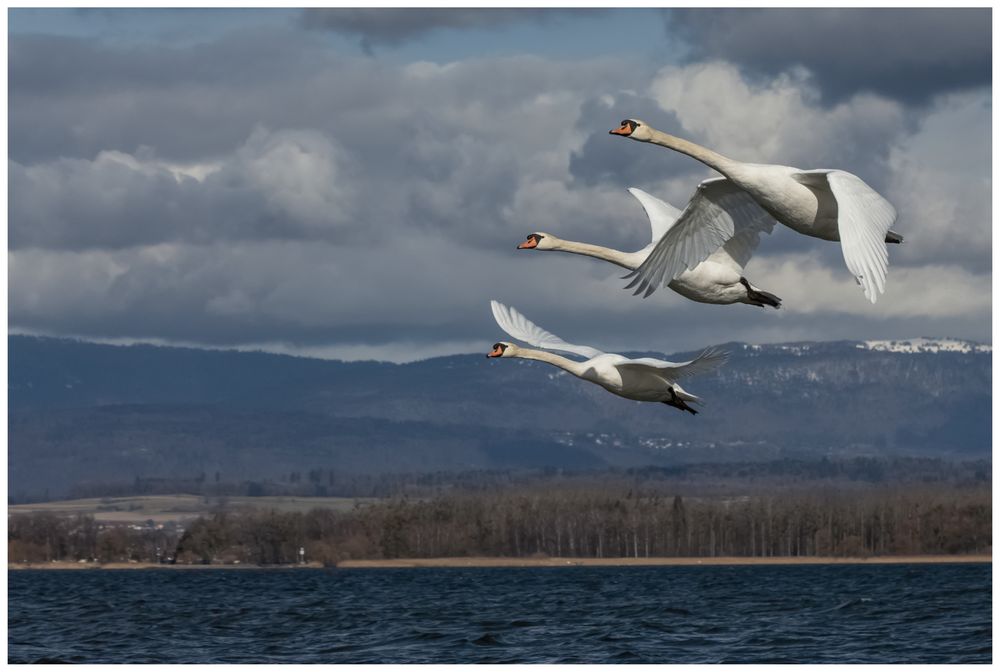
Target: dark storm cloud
(71,97)
(909,54)
(396,26)
(91,166)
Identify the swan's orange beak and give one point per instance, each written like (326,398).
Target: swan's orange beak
(624,129)
(530,243)
(497,351)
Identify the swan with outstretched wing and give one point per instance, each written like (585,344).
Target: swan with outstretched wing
(828,204)
(644,379)
(719,279)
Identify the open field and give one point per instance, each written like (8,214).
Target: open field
(164,508)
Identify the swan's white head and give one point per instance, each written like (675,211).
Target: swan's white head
(635,129)
(539,241)
(502,349)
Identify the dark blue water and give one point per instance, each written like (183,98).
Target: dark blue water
(758,614)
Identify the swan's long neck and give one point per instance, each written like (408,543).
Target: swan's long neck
(623,259)
(576,368)
(711,159)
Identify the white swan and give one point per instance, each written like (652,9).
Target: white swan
(644,379)
(827,204)
(719,279)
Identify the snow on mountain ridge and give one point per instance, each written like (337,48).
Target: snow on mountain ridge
(926,345)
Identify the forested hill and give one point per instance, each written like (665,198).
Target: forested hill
(83,412)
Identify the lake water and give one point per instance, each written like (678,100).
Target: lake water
(742,614)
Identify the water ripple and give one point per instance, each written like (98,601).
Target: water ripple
(744,614)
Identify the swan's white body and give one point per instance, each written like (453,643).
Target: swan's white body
(644,379)
(827,204)
(718,279)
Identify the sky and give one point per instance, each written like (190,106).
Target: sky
(352,183)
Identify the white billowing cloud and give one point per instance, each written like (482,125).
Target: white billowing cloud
(296,171)
(780,120)
(285,183)
(941,183)
(147,163)
(932,291)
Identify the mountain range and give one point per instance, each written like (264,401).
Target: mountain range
(82,412)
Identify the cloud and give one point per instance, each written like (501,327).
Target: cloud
(909,54)
(283,184)
(453,157)
(603,160)
(931,292)
(940,179)
(777,120)
(73,97)
(298,175)
(385,26)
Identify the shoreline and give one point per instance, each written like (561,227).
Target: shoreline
(531,562)
(660,562)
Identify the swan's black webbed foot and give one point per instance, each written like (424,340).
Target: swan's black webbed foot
(677,402)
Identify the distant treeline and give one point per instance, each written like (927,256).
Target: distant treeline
(686,479)
(41,537)
(556,521)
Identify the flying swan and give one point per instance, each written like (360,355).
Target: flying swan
(719,279)
(644,379)
(828,204)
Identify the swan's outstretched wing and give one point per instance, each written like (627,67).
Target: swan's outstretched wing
(863,219)
(715,213)
(709,360)
(661,214)
(523,329)
(737,251)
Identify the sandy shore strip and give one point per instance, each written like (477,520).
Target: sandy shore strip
(640,562)
(531,562)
